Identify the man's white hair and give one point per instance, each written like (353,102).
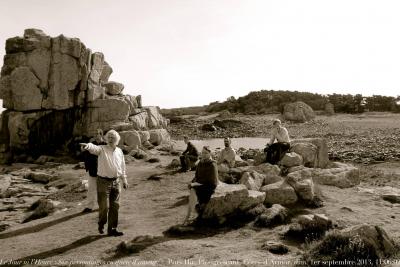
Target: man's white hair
(115,133)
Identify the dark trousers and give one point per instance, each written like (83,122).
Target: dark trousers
(108,192)
(188,161)
(276,151)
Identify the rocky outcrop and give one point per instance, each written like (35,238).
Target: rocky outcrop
(279,193)
(313,150)
(229,200)
(56,89)
(341,175)
(298,112)
(291,159)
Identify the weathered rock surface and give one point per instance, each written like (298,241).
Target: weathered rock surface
(275,215)
(129,140)
(291,159)
(252,180)
(279,193)
(304,147)
(298,112)
(303,185)
(55,89)
(5,182)
(42,208)
(229,200)
(113,88)
(159,136)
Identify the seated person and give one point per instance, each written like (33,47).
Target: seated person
(189,157)
(204,183)
(226,159)
(228,154)
(276,151)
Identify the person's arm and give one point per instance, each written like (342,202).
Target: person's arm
(232,156)
(214,175)
(93,149)
(220,157)
(123,176)
(273,137)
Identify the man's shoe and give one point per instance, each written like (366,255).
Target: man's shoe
(87,210)
(101,229)
(114,232)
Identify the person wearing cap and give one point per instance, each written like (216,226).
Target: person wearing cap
(276,150)
(203,185)
(189,157)
(227,155)
(110,172)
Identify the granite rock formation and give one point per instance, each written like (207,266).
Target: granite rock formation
(55,89)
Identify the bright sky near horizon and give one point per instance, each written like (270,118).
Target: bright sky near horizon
(178,53)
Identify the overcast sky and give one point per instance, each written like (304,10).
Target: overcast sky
(179,53)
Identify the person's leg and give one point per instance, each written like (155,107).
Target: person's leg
(114,206)
(102,200)
(271,153)
(91,193)
(281,151)
(192,204)
(183,162)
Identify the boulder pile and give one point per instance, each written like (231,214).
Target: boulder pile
(296,178)
(55,89)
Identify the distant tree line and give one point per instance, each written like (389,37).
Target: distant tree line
(270,101)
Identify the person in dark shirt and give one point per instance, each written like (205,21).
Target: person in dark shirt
(91,168)
(189,157)
(204,183)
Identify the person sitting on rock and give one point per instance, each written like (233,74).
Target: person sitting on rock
(203,185)
(90,161)
(189,157)
(276,151)
(227,155)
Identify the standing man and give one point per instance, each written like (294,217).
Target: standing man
(91,169)
(276,151)
(110,173)
(190,156)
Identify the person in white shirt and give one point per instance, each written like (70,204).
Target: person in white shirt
(227,155)
(110,173)
(276,150)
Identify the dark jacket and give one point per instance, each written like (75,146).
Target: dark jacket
(191,150)
(91,160)
(207,173)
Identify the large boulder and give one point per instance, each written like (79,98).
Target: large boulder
(303,185)
(279,193)
(229,200)
(298,112)
(341,175)
(159,136)
(155,119)
(144,136)
(307,151)
(321,159)
(113,88)
(129,140)
(252,180)
(291,159)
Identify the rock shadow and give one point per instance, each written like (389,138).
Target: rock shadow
(54,252)
(39,227)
